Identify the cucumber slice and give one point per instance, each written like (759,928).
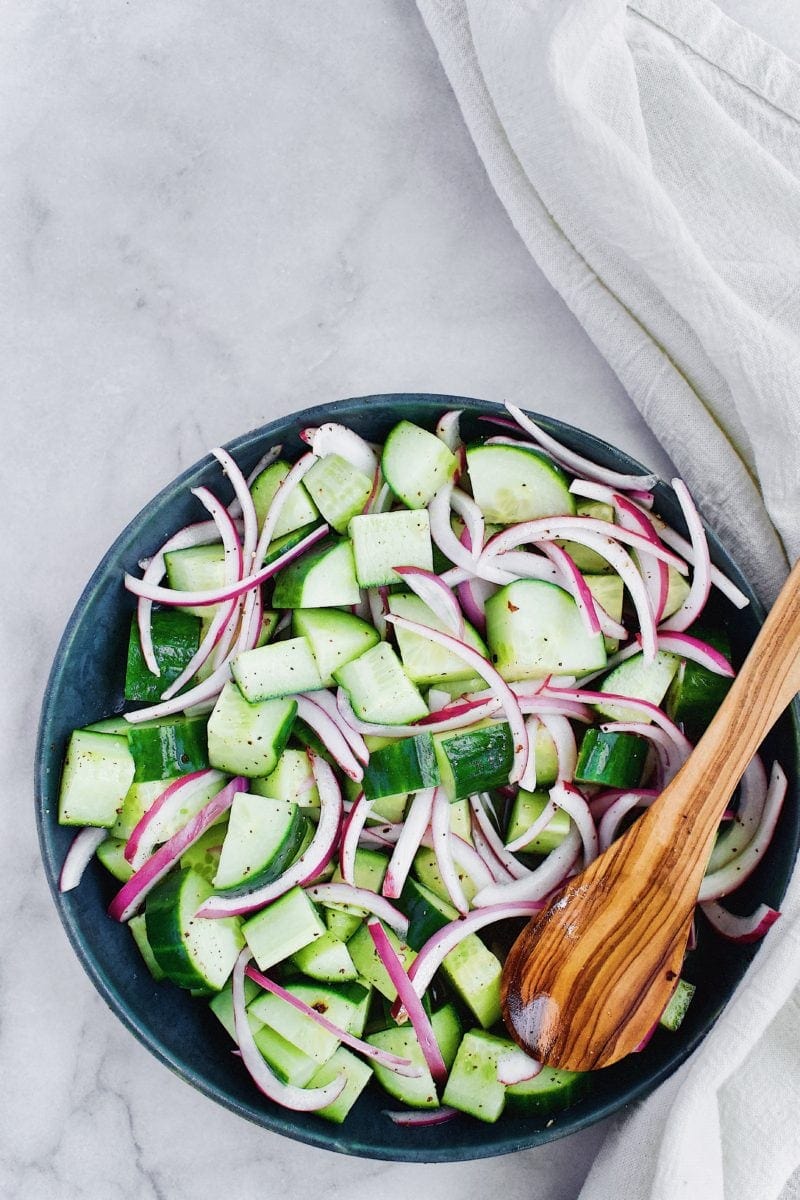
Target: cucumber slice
(203,856)
(419,1092)
(427,872)
(677,591)
(368,964)
(513,484)
(137,926)
(287,541)
(584,558)
(339,490)
(544,749)
(197,568)
(383,541)
(192,951)
(298,510)
(247,739)
(98,770)
(475,759)
(527,808)
(423,661)
(176,636)
(474,974)
(111,853)
(289,1062)
(283,928)
(677,1006)
(427,913)
(138,799)
(609,592)
(379,689)
(416,464)
(292,780)
(615,760)
(473,1086)
(369,869)
(696,693)
(534,629)
(323,577)
(335,637)
(551,1091)
(327,959)
(264,836)
(279,669)
(221,1004)
(404,765)
(357,1075)
(341,1003)
(640,681)
(169,748)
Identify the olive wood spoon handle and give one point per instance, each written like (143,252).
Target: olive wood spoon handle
(589,976)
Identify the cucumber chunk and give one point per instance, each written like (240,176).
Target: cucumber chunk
(289,1062)
(474,974)
(404,765)
(474,760)
(278,669)
(297,511)
(416,464)
(323,577)
(677,1005)
(176,636)
(368,963)
(137,926)
(357,1075)
(248,739)
(111,853)
(423,661)
(379,689)
(609,592)
(264,836)
(584,558)
(534,629)
(221,1004)
(335,637)
(640,681)
(98,770)
(283,928)
(339,490)
(340,1003)
(615,760)
(168,748)
(696,693)
(473,1086)
(401,1040)
(196,568)
(552,1090)
(194,952)
(527,808)
(327,959)
(383,541)
(513,484)
(292,780)
(427,913)
(204,855)
(426,871)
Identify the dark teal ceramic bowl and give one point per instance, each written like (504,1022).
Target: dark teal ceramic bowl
(86,683)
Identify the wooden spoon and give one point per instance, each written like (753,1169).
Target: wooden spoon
(590,975)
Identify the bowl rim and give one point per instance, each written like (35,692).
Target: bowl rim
(260,1112)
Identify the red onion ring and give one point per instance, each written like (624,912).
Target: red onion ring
(79,855)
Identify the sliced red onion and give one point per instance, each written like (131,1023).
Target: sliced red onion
(576,585)
(307,867)
(528,780)
(392,1062)
(728,588)
(650,711)
(568,797)
(210,596)
(79,855)
(494,679)
(342,895)
(687,646)
(208,689)
(544,706)
(441,834)
(700,586)
(496,869)
(523,564)
(576,529)
(576,463)
(332,438)
(132,893)
(409,1000)
(148,831)
(422,1118)
(437,948)
(515,869)
(515,1066)
(327,702)
(537,883)
(655,573)
(437,595)
(436,699)
(672,754)
(472,596)
(248,508)
(351,832)
(473,518)
(330,735)
(619,808)
(285,1094)
(442,534)
(447,430)
(725,880)
(411,833)
(740,929)
(378,605)
(749,810)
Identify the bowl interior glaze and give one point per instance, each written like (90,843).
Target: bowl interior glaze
(86,683)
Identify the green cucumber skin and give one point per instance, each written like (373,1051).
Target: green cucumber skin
(178,746)
(169,931)
(616,760)
(427,913)
(176,636)
(416,464)
(476,760)
(406,765)
(550,1091)
(323,577)
(277,857)
(513,484)
(696,693)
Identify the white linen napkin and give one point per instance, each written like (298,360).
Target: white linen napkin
(649,156)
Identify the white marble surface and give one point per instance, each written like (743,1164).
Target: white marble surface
(211,214)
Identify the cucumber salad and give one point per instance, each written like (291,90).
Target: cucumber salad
(380,703)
